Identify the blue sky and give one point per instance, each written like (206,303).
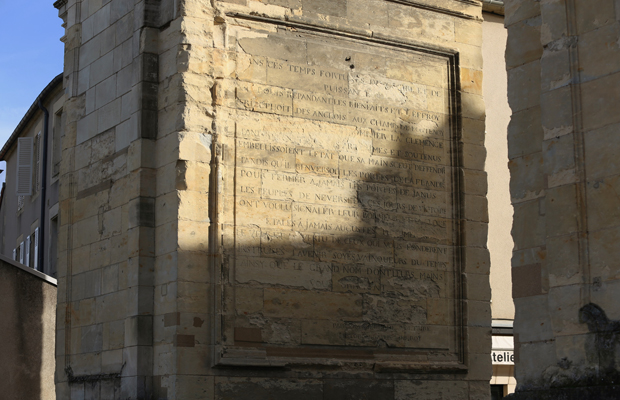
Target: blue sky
(30,57)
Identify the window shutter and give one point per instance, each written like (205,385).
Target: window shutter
(21,253)
(24,166)
(37,163)
(35,253)
(27,250)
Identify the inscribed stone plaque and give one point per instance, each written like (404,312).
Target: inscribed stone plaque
(338,202)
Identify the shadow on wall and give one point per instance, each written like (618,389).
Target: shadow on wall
(27,334)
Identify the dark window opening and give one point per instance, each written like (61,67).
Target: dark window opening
(497,392)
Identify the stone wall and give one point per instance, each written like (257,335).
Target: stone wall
(282,198)
(27,318)
(563,81)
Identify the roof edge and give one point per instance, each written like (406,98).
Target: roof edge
(29,114)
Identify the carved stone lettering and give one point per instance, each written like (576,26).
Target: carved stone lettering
(338,183)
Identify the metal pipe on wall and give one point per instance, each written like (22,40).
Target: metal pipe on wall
(493,6)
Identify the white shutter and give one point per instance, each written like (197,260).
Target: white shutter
(27,249)
(36,249)
(14,255)
(21,253)
(24,166)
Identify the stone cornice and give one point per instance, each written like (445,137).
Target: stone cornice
(60,3)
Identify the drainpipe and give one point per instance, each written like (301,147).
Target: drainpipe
(41,247)
(493,6)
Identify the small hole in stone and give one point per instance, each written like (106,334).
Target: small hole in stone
(352,66)
(348,59)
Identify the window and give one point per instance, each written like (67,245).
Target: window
(24,166)
(27,251)
(20,253)
(35,249)
(497,392)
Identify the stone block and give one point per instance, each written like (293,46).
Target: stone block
(192,267)
(527,179)
(477,260)
(476,208)
(557,120)
(87,127)
(562,213)
(478,313)
(86,285)
(524,86)
(478,287)
(101,68)
(528,228)
(518,10)
(192,297)
(524,42)
(108,40)
(603,294)
(112,307)
(357,389)
(119,9)
(475,233)
(78,391)
(139,330)
(90,52)
(525,133)
(533,316)
(468,31)
(91,338)
(471,81)
(109,115)
(562,262)
(598,111)
(101,19)
(599,52)
(366,13)
(527,281)
(472,105)
(193,236)
(480,367)
(86,363)
(594,14)
(533,359)
(430,390)
(554,28)
(264,389)
(474,156)
(600,145)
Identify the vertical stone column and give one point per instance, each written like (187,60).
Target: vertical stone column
(563,86)
(183,282)
(109,173)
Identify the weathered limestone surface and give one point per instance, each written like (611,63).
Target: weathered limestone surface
(563,85)
(282,197)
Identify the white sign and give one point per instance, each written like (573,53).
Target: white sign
(503,357)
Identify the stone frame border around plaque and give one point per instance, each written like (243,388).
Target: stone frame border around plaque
(247,349)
